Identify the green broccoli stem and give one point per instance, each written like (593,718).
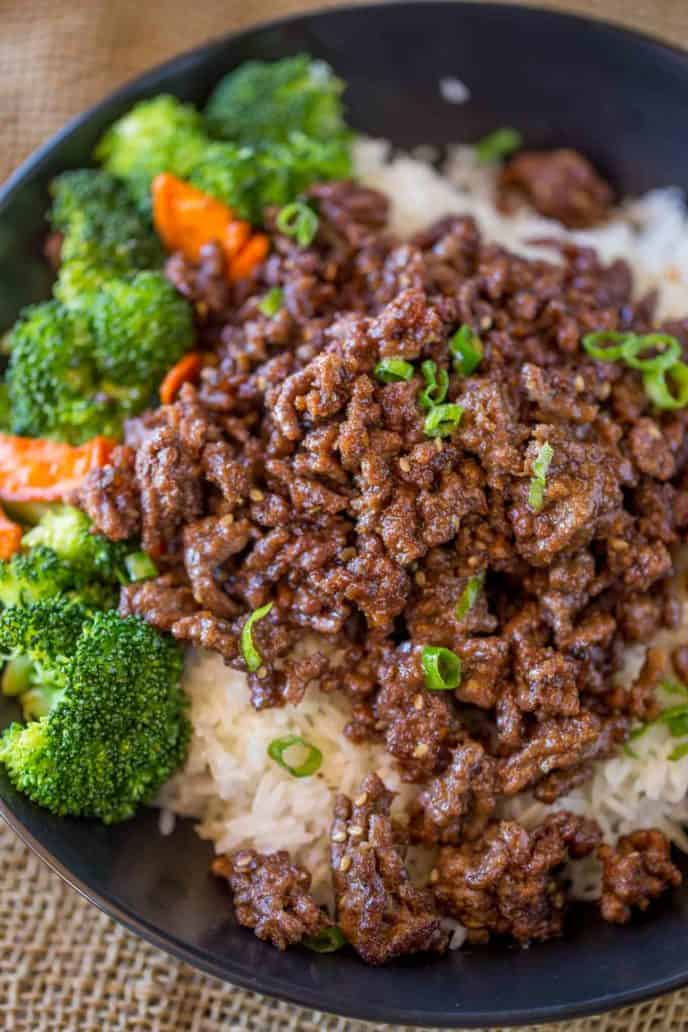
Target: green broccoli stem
(16,677)
(140,566)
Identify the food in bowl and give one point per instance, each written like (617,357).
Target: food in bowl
(357,485)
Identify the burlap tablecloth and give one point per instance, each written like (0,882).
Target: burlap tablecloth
(64,966)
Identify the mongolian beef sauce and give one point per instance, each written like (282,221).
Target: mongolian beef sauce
(401,476)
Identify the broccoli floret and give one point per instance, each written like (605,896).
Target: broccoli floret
(66,531)
(52,380)
(267,100)
(104,234)
(116,732)
(142,328)
(251,178)
(158,135)
(31,576)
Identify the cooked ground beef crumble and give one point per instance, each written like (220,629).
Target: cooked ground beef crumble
(291,474)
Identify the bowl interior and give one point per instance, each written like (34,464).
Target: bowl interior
(619,98)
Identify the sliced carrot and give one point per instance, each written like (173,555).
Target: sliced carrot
(36,470)
(10,536)
(251,255)
(186,218)
(185,371)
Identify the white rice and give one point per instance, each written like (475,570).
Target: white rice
(230,785)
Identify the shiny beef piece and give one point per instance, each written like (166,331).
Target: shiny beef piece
(379,911)
(635,871)
(560,184)
(457,804)
(508,882)
(271,896)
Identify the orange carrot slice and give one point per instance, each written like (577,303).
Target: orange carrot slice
(251,254)
(36,470)
(10,536)
(185,371)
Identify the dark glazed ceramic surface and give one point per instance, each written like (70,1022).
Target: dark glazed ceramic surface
(619,98)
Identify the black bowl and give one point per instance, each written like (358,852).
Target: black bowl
(621,99)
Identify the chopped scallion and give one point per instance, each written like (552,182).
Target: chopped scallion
(469,595)
(140,566)
(676,719)
(442,669)
(442,420)
(467,349)
(538,482)
(327,941)
(312,762)
(299,221)
(673,687)
(272,302)
(252,657)
(498,145)
(667,350)
(393,370)
(436,384)
(606,345)
(664,394)
(679,752)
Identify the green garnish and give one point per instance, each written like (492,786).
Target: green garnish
(442,420)
(393,370)
(467,349)
(595,344)
(498,145)
(327,941)
(252,657)
(442,669)
(665,395)
(140,566)
(676,719)
(673,687)
(538,482)
(436,384)
(469,595)
(312,762)
(272,302)
(299,221)
(668,351)
(679,752)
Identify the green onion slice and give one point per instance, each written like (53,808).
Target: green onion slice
(442,669)
(140,566)
(312,762)
(299,221)
(272,302)
(467,349)
(442,420)
(679,752)
(673,687)
(327,941)
(606,345)
(436,384)
(668,351)
(252,657)
(676,719)
(498,145)
(538,482)
(469,595)
(393,370)
(664,394)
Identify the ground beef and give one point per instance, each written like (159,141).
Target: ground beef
(635,871)
(560,184)
(294,474)
(271,896)
(378,909)
(508,882)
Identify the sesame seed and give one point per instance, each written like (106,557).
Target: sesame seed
(579,384)
(438,444)
(605,391)
(255,495)
(339,836)
(202,308)
(486,322)
(420,751)
(418,702)
(262,672)
(242,862)
(261,383)
(619,545)
(404,465)
(345,864)
(346,554)
(364,846)
(473,561)
(434,875)
(420,579)
(361,800)
(355,830)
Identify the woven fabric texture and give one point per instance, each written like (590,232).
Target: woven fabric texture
(64,967)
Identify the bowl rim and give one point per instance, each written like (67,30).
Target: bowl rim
(243,977)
